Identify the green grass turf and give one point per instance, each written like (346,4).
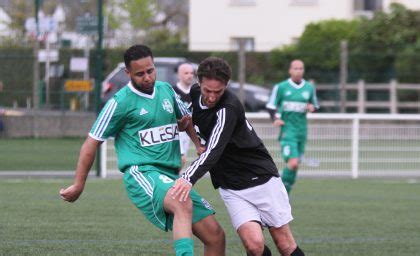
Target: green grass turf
(39,154)
(332,217)
(61,154)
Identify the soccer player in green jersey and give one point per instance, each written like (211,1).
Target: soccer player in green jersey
(289,102)
(144,119)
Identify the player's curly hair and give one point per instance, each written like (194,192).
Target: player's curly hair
(135,52)
(214,68)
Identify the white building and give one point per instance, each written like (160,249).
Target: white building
(5,21)
(266,24)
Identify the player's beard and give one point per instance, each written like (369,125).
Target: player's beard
(144,88)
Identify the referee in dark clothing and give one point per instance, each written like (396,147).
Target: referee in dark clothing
(239,164)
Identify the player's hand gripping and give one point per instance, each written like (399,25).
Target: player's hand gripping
(181,190)
(71,193)
(200,149)
(278,122)
(183,123)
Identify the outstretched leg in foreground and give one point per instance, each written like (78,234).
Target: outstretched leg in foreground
(285,242)
(182,224)
(212,235)
(252,238)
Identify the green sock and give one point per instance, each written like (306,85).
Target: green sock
(288,177)
(184,247)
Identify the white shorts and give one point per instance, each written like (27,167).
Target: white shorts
(267,204)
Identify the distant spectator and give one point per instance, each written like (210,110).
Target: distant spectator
(182,88)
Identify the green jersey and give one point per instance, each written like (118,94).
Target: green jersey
(144,126)
(291,100)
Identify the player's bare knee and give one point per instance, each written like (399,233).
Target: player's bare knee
(216,234)
(283,239)
(286,245)
(254,249)
(254,246)
(293,165)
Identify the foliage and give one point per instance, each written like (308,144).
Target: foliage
(381,39)
(407,66)
(139,13)
(150,21)
(20,10)
(319,46)
(380,48)
(280,60)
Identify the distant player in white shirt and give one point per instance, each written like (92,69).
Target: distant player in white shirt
(182,88)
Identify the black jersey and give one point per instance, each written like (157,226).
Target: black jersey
(235,156)
(185,96)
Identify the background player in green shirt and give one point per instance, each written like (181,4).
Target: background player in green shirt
(289,102)
(142,117)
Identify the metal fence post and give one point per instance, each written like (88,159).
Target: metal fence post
(355,147)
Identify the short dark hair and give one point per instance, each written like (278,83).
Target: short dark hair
(214,68)
(135,52)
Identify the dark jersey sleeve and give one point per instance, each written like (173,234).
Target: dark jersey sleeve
(219,138)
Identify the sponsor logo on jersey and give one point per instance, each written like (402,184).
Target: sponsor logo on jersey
(305,95)
(166,104)
(165,179)
(143,111)
(293,106)
(159,135)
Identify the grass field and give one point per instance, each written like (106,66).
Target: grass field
(61,154)
(332,217)
(39,154)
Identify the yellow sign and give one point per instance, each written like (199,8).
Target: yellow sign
(78,86)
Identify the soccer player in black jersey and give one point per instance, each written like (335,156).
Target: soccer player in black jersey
(239,164)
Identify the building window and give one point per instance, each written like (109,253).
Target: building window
(304,2)
(366,8)
(243,2)
(367,5)
(248,43)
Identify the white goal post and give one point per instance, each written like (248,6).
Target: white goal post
(339,145)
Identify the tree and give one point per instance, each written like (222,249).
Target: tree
(159,22)
(381,39)
(318,47)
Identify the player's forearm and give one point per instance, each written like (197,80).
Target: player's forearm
(85,162)
(274,115)
(193,135)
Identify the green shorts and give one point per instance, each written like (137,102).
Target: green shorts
(292,149)
(147,190)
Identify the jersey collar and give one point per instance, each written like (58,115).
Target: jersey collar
(139,93)
(297,86)
(179,86)
(201,104)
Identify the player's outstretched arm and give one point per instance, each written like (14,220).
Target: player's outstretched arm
(86,159)
(194,138)
(184,122)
